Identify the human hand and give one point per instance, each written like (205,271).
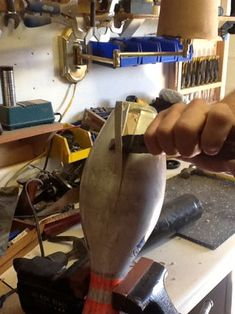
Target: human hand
(189,130)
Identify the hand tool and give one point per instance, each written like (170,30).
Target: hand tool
(135,144)
(43,7)
(36,21)
(193,170)
(227,28)
(56,227)
(11,14)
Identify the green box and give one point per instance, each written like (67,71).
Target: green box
(26,113)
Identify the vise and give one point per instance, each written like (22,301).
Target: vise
(143,291)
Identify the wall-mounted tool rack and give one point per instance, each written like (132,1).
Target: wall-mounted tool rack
(125,52)
(217,88)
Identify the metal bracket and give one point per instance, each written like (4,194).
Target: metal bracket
(69,67)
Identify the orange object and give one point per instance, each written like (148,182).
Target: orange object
(100,286)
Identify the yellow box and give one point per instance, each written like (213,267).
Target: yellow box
(60,149)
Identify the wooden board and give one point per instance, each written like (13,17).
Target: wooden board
(25,144)
(12,304)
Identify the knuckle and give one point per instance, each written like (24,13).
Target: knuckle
(183,129)
(178,107)
(197,103)
(163,133)
(220,117)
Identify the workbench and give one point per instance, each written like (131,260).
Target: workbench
(193,270)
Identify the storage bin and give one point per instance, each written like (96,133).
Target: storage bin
(60,148)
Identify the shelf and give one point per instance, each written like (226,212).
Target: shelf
(24,144)
(194,89)
(226,18)
(15,135)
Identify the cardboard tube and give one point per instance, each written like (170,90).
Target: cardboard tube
(189,19)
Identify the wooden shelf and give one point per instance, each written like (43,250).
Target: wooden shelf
(15,135)
(25,144)
(226,18)
(194,89)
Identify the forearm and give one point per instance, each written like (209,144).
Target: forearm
(230,101)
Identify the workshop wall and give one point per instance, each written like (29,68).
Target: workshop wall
(34,55)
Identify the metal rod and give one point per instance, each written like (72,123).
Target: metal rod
(96,58)
(150,54)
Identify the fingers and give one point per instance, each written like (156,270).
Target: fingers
(183,129)
(188,128)
(150,135)
(177,130)
(219,123)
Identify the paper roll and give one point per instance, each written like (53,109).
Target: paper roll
(189,19)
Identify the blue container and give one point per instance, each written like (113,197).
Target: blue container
(141,44)
(129,45)
(104,50)
(146,45)
(167,45)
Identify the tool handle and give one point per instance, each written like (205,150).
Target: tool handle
(11,6)
(93,13)
(36,21)
(135,144)
(44,7)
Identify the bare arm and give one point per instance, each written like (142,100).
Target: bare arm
(230,100)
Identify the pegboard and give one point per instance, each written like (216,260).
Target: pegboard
(33,52)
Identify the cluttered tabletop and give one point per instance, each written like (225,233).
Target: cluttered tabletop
(197,256)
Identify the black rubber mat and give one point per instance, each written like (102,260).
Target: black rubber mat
(217,222)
